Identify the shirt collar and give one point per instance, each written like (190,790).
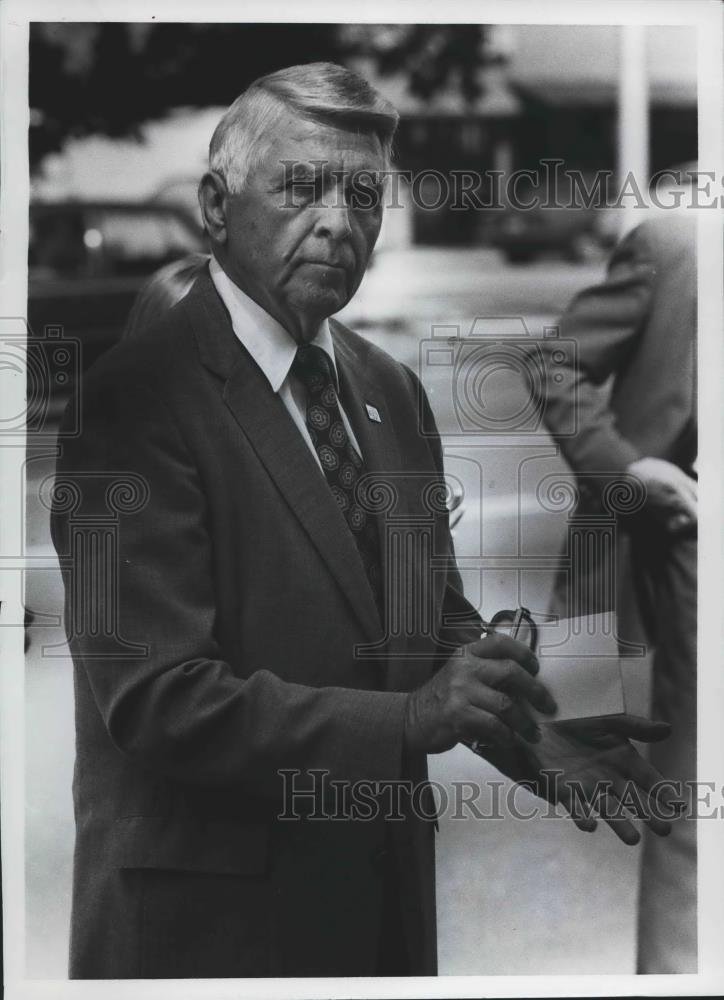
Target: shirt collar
(269,343)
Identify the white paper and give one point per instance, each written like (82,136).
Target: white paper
(580,666)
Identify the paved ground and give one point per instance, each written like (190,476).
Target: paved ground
(513,896)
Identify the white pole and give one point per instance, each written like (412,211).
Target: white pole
(633,124)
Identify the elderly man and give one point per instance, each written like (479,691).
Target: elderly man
(237,677)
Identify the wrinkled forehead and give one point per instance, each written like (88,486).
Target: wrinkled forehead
(297,144)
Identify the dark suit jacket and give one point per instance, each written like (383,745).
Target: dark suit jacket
(638,330)
(632,393)
(215,647)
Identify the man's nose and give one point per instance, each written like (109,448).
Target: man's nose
(333,220)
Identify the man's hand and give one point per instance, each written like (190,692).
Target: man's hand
(480,694)
(590,768)
(671,495)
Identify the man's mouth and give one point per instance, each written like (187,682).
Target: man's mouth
(326,263)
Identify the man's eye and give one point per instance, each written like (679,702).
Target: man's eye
(304,191)
(364,197)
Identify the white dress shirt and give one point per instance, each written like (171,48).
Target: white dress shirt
(273,348)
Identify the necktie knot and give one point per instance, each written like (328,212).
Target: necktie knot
(313,368)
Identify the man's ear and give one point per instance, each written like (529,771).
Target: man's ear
(213,195)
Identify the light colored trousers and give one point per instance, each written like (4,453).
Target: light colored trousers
(653,589)
(667,902)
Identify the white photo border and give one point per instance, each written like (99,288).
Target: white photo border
(706,16)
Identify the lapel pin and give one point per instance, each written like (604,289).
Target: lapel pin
(373,413)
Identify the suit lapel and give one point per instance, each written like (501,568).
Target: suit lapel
(376,439)
(383,463)
(264,419)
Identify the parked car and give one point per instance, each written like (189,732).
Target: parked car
(571,229)
(86,263)
(568,233)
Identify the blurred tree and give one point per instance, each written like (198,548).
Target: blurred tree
(110,78)
(430,56)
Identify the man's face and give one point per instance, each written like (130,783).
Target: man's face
(300,234)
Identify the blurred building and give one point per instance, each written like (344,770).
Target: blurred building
(567,80)
(551,92)
(547,92)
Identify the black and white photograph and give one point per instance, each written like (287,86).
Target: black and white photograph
(355,634)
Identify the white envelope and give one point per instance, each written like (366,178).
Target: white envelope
(580,666)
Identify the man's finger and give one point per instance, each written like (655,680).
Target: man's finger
(510,677)
(614,814)
(678,523)
(687,504)
(608,807)
(680,497)
(688,488)
(486,728)
(635,727)
(645,775)
(692,488)
(497,646)
(636,800)
(510,712)
(661,827)
(585,822)
(663,799)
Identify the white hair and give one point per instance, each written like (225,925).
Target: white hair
(320,92)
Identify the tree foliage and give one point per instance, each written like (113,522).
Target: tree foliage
(110,78)
(430,56)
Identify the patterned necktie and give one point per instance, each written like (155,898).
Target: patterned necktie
(342,466)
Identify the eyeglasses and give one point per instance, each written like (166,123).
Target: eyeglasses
(519,621)
(524,629)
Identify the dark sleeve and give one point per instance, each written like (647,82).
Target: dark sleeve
(167,697)
(604,323)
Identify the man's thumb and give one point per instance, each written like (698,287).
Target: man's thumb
(634,727)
